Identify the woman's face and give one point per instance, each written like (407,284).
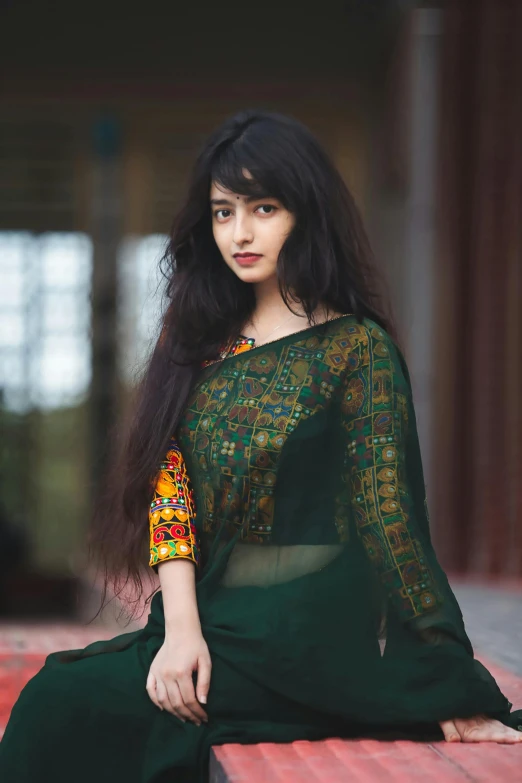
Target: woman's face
(242,225)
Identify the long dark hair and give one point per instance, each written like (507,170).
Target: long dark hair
(325,260)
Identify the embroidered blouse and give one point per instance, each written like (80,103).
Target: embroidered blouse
(172,511)
(344,377)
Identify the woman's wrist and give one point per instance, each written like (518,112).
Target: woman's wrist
(178,586)
(183,618)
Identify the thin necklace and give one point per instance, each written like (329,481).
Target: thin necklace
(279,326)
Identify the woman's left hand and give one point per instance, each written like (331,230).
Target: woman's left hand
(478,729)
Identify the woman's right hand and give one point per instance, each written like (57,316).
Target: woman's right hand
(169,683)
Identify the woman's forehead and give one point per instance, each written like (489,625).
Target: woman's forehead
(218,191)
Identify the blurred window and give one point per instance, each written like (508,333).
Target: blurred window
(141,286)
(45,314)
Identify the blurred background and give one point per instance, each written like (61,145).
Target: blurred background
(105,106)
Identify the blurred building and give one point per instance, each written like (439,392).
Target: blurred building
(105,107)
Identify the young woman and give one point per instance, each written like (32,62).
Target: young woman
(274,448)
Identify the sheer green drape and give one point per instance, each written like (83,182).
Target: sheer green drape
(320,595)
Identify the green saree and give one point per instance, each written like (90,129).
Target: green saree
(321,599)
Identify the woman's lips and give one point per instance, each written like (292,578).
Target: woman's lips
(247,260)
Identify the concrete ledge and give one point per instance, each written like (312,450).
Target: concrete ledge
(366,761)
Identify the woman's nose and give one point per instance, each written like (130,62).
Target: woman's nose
(242,230)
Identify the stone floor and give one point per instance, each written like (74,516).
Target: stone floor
(493,621)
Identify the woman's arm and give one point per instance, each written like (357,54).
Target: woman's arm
(394,530)
(170,684)
(380,490)
(174,555)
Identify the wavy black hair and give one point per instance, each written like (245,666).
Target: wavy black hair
(325,260)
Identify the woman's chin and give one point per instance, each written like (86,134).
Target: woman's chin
(254,275)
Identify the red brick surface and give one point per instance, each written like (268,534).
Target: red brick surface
(24,648)
(366,761)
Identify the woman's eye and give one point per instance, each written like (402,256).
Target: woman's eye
(222,214)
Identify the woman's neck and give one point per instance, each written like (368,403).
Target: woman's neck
(273,319)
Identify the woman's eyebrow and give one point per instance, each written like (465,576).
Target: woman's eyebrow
(227,202)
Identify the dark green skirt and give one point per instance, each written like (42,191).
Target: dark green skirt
(284,668)
(86,716)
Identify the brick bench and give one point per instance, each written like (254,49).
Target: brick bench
(24,648)
(365,761)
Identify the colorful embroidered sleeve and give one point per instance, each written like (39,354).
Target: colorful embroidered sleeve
(172,530)
(391,524)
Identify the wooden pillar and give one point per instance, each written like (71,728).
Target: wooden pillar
(106,232)
(479,354)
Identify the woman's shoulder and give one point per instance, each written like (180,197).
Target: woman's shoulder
(354,334)
(362,343)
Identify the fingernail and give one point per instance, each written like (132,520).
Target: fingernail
(203,700)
